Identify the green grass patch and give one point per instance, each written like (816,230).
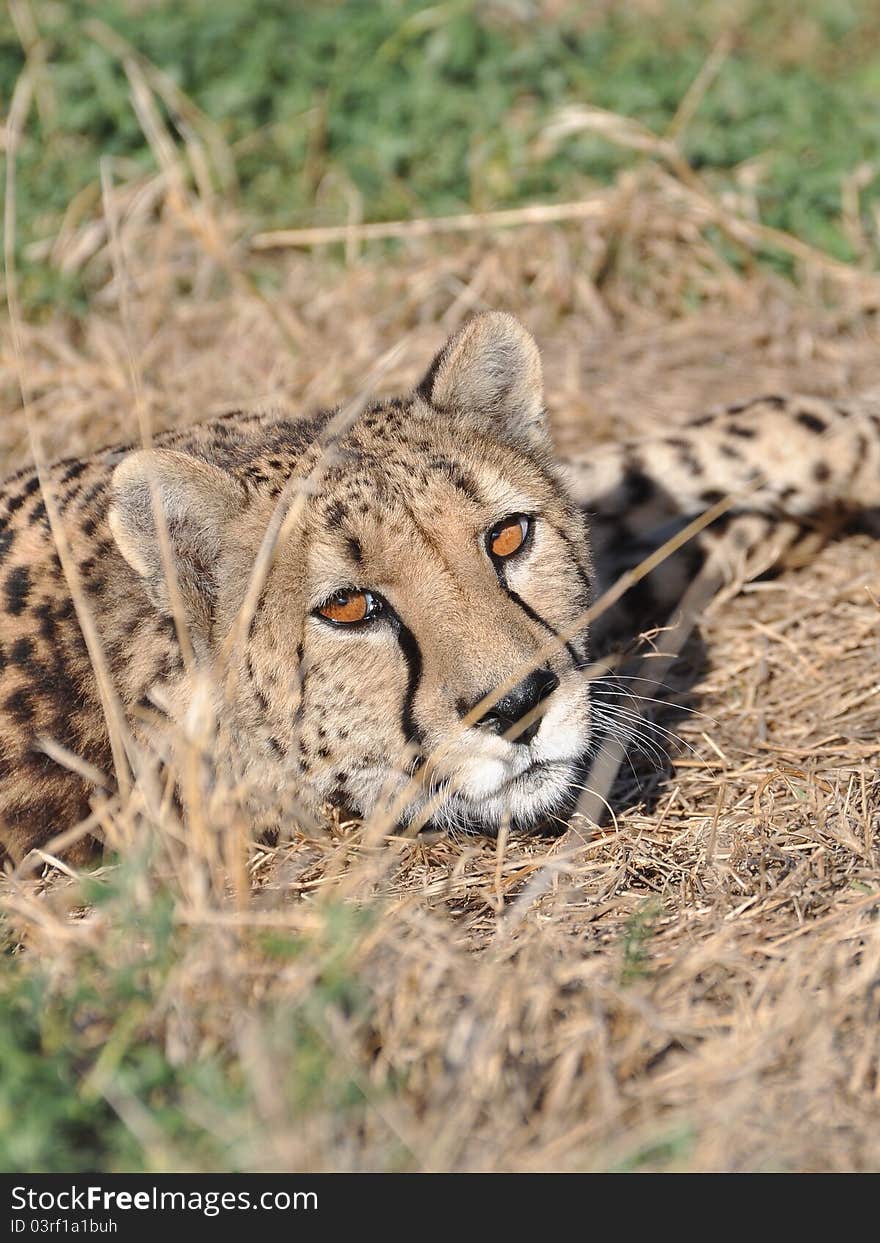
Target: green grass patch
(95,1072)
(666,1152)
(426,109)
(637,936)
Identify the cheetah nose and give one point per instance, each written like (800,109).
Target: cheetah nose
(518,703)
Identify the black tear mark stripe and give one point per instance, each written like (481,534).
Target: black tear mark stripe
(574,655)
(412,654)
(581,569)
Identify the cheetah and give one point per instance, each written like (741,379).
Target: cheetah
(379,606)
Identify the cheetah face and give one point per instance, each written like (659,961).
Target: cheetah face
(417,645)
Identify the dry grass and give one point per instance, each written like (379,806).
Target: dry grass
(696,986)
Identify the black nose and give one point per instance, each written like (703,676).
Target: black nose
(519,702)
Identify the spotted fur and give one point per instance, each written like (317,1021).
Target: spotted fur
(793,470)
(397,498)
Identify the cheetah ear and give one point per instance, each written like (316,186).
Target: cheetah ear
(490,372)
(197,501)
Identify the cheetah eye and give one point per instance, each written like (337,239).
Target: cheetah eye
(349,606)
(509,536)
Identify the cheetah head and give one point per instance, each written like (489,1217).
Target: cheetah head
(415,642)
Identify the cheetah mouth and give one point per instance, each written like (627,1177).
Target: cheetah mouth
(538,800)
(532,779)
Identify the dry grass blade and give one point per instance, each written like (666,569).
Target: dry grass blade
(180,104)
(698,89)
(625,132)
(468,222)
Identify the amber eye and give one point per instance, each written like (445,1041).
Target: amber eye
(509,535)
(350,606)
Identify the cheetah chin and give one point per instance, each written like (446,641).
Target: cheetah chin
(540,798)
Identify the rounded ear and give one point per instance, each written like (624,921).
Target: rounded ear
(490,374)
(196,501)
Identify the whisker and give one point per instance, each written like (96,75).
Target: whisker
(617,711)
(641,729)
(577,785)
(606,681)
(597,749)
(609,707)
(638,746)
(645,726)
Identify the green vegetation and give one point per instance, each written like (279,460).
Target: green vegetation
(419,109)
(95,1074)
(637,937)
(666,1152)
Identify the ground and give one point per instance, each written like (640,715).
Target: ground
(692,985)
